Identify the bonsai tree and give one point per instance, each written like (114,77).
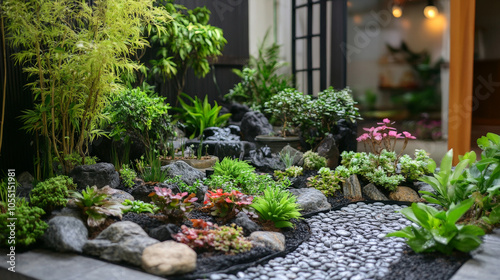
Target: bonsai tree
(188,43)
(74,54)
(289,107)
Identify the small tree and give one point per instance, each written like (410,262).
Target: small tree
(75,53)
(188,43)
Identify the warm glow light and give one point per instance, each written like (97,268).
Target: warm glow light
(396,11)
(430,11)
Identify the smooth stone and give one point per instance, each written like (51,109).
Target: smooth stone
(168,258)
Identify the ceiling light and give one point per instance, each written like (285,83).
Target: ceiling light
(430,11)
(397,12)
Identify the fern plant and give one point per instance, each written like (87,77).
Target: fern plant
(232,168)
(277,205)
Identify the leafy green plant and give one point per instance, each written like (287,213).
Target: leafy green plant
(437,230)
(138,206)
(200,115)
(277,205)
(151,171)
(287,158)
(188,43)
(96,205)
(290,172)
(226,204)
(183,187)
(327,181)
(74,52)
(74,159)
(128,175)
(205,236)
(261,78)
(173,206)
(232,167)
(287,106)
(28,223)
(446,183)
(52,193)
(141,114)
(313,161)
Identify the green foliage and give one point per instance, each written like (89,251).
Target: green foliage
(173,206)
(287,158)
(327,181)
(52,193)
(260,78)
(138,206)
(232,167)
(200,115)
(128,175)
(151,171)
(226,204)
(287,106)
(313,161)
(28,224)
(74,54)
(96,206)
(143,115)
(205,236)
(437,230)
(74,159)
(188,43)
(290,172)
(382,169)
(277,205)
(447,183)
(183,187)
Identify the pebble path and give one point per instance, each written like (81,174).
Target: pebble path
(348,243)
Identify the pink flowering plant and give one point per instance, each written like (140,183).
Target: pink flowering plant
(383,166)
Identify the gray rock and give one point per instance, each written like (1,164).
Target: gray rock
(352,188)
(272,240)
(296,154)
(121,241)
(201,190)
(311,200)
(168,258)
(99,174)
(328,149)
(253,124)
(164,232)
(118,195)
(188,174)
(65,234)
(238,111)
(372,192)
(67,211)
(25,181)
(264,160)
(244,222)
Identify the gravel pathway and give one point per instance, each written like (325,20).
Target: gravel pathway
(345,244)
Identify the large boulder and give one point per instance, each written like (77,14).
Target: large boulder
(311,200)
(121,241)
(253,124)
(272,240)
(168,258)
(352,188)
(65,234)
(372,192)
(188,173)
(405,194)
(99,174)
(328,149)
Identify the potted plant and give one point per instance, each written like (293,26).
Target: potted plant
(287,107)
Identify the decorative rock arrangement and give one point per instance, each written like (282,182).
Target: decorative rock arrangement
(328,149)
(121,241)
(405,194)
(311,200)
(272,240)
(65,234)
(352,188)
(264,160)
(168,258)
(99,174)
(372,192)
(253,124)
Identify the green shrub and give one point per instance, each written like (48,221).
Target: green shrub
(437,230)
(128,175)
(290,172)
(313,161)
(232,167)
(52,193)
(138,206)
(327,181)
(183,187)
(28,224)
(200,115)
(277,205)
(288,106)
(96,206)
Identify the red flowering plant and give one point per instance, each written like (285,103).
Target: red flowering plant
(173,206)
(383,137)
(205,236)
(226,204)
